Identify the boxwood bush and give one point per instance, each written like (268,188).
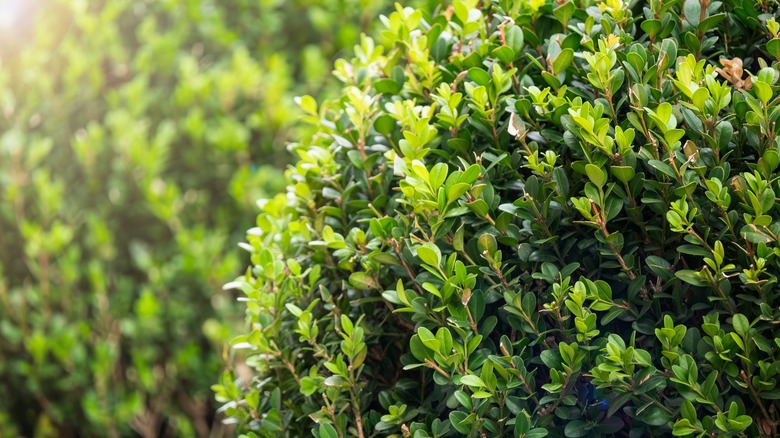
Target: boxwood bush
(528,219)
(133,134)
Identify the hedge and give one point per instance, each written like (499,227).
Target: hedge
(134,136)
(527,219)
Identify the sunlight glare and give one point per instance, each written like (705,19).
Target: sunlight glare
(10,13)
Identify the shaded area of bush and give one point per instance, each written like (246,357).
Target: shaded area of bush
(134,136)
(528,219)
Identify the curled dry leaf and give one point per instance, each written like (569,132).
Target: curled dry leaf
(732,71)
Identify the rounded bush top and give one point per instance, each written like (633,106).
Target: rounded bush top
(528,219)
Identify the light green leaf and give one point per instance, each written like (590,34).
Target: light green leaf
(473,381)
(429,254)
(596,175)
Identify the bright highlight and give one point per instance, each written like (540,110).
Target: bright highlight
(11,12)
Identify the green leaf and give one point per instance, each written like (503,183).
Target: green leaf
(773,47)
(398,74)
(668,53)
(564,12)
(692,10)
(437,176)
(487,243)
(723,134)
(551,358)
(504,54)
(673,135)
(479,207)
(623,173)
(308,104)
(682,428)
(463,398)
(361,281)
(710,22)
(327,431)
(457,190)
(655,416)
(563,60)
(617,403)
(418,349)
(522,422)
(770,161)
(763,92)
(687,410)
(471,174)
(429,254)
(472,380)
(428,339)
(663,168)
(741,324)
(384,258)
(346,324)
(384,124)
(651,27)
(576,429)
(596,175)
(766,75)
(308,386)
(754,234)
(388,86)
(460,421)
(690,277)
(479,76)
(700,97)
(514,39)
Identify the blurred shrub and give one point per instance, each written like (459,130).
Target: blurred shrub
(133,134)
(528,219)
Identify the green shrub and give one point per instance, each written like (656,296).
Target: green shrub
(528,219)
(133,134)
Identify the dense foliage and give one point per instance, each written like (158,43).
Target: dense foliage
(134,136)
(528,218)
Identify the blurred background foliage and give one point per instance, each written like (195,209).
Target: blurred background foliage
(135,137)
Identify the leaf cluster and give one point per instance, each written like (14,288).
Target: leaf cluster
(549,218)
(132,136)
